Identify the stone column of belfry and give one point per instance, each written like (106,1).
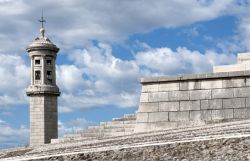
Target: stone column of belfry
(43,91)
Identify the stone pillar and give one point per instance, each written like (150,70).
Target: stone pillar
(43,76)
(54,73)
(32,70)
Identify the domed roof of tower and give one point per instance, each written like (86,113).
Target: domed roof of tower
(42,43)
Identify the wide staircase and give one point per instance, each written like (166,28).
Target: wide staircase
(117,127)
(170,136)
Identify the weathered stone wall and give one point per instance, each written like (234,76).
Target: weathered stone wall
(189,100)
(43,118)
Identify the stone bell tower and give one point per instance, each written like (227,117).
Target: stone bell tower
(43,91)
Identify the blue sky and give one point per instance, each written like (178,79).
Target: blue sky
(106,46)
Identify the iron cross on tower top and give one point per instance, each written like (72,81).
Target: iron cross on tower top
(42,30)
(42,20)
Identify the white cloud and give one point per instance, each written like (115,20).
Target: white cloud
(165,61)
(73,23)
(13,136)
(105,80)
(14,78)
(69,77)
(239,42)
(109,73)
(244,30)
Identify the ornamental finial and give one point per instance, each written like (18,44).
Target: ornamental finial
(42,30)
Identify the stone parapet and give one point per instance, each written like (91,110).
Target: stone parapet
(191,100)
(185,77)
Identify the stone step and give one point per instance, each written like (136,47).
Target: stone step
(117,119)
(110,134)
(203,131)
(108,130)
(95,127)
(190,132)
(119,122)
(170,135)
(92,135)
(98,133)
(130,115)
(126,117)
(113,126)
(124,124)
(70,139)
(71,135)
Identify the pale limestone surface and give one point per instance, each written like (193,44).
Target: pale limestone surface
(43,91)
(243,57)
(243,63)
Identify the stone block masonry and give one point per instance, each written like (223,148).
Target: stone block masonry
(196,99)
(43,119)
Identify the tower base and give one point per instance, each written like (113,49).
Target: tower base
(43,119)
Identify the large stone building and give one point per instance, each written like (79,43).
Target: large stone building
(43,91)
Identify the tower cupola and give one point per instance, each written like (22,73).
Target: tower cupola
(43,54)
